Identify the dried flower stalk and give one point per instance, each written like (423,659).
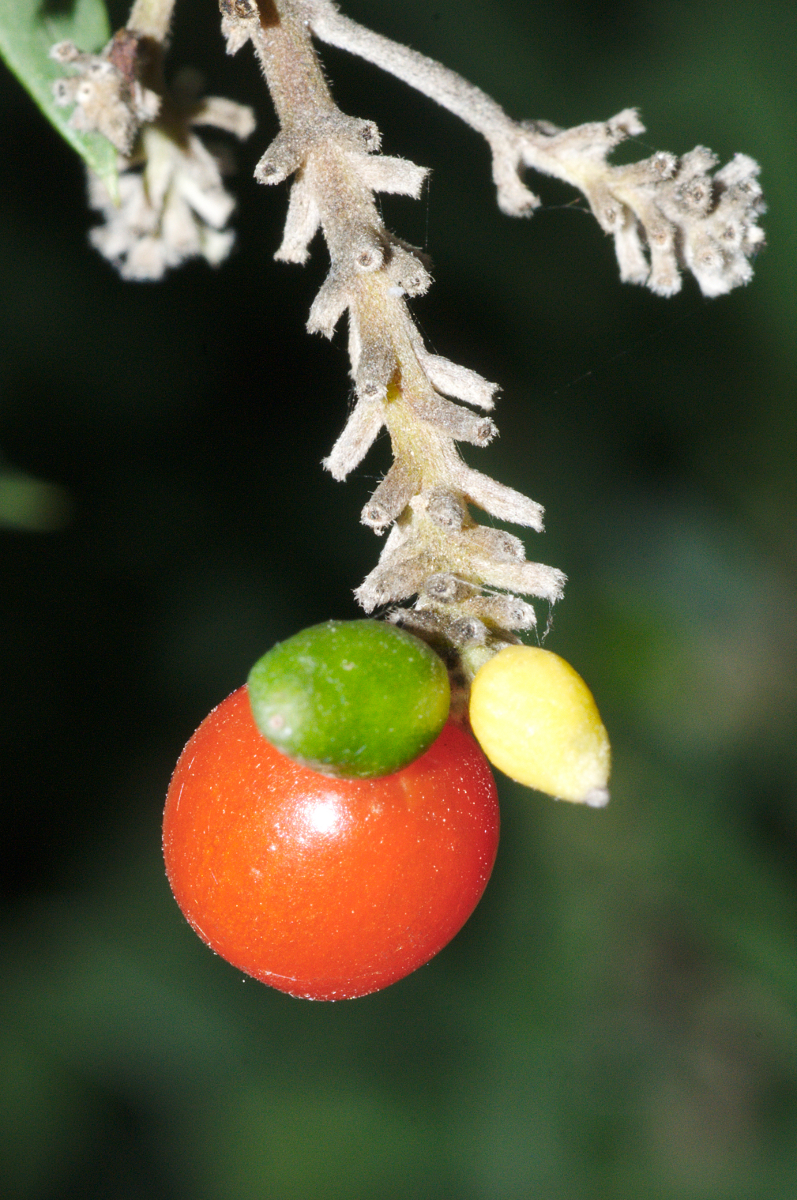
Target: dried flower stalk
(666,215)
(427,494)
(462,575)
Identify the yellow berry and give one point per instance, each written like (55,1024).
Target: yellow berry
(536,721)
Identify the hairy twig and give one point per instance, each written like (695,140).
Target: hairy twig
(400,386)
(667,215)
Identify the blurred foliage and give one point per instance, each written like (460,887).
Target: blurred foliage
(32,504)
(619,1018)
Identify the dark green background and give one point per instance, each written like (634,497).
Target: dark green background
(618,1021)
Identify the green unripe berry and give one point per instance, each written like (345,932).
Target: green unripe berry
(355,699)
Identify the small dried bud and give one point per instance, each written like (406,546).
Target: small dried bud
(445,509)
(281,159)
(391,581)
(406,272)
(469,631)
(394,175)
(531,579)
(242,9)
(448,589)
(67,52)
(503,502)
(221,113)
(500,612)
(498,544)
(376,366)
(359,434)
(329,305)
(452,380)
(301,224)
(457,422)
(421,621)
(239,19)
(367,249)
(390,498)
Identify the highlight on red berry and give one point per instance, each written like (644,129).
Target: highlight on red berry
(322,887)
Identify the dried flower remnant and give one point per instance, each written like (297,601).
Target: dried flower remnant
(107,95)
(172,203)
(667,214)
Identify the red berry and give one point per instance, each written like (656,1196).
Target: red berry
(326,888)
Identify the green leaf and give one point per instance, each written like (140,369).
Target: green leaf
(32,505)
(28,28)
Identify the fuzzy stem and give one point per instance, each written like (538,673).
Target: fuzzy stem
(303,102)
(436,551)
(664,213)
(504,136)
(151,18)
(439,83)
(296,83)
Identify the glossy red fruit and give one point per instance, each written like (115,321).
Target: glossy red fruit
(326,888)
